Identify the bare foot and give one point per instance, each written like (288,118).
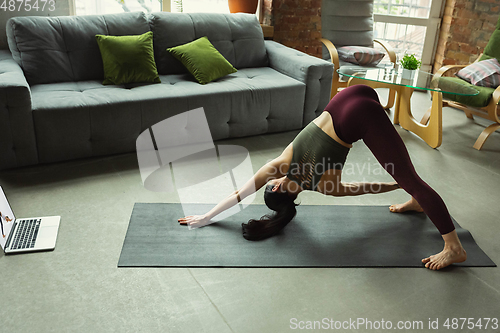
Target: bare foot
(410,205)
(445,258)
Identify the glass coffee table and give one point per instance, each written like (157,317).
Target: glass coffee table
(430,127)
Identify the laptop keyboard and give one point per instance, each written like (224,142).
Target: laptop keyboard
(26,233)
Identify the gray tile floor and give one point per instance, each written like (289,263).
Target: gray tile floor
(78,287)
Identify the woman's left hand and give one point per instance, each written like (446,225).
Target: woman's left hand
(194,221)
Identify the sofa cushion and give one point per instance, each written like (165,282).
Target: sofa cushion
(62,49)
(360,55)
(202,60)
(92,119)
(128,59)
(238,37)
(480,100)
(484,73)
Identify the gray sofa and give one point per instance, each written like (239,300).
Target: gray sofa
(53,106)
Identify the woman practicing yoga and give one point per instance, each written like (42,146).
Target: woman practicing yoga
(314,161)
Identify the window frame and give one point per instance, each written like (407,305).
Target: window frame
(432,24)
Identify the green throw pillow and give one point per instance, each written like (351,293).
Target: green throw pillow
(202,60)
(128,59)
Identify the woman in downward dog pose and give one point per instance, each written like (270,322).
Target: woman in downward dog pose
(314,161)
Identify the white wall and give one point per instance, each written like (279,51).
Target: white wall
(62,7)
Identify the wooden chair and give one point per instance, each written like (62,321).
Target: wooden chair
(475,107)
(349,23)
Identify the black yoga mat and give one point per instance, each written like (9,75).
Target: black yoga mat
(319,236)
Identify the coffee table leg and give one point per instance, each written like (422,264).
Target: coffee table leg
(432,132)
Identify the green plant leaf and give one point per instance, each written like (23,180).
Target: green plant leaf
(409,61)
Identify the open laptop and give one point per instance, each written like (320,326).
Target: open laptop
(28,234)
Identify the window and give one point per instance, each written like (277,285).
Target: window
(409,26)
(89,7)
(402,37)
(408,8)
(193,6)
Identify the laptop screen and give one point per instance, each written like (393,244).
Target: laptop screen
(7,218)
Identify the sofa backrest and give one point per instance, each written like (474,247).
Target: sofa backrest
(238,37)
(492,49)
(61,49)
(347,22)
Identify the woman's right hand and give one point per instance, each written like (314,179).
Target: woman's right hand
(194,221)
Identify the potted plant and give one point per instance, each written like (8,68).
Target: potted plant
(243,6)
(410,64)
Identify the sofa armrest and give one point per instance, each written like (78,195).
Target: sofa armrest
(334,55)
(17,134)
(388,49)
(314,72)
(445,69)
(495,100)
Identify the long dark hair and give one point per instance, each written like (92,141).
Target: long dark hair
(270,225)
